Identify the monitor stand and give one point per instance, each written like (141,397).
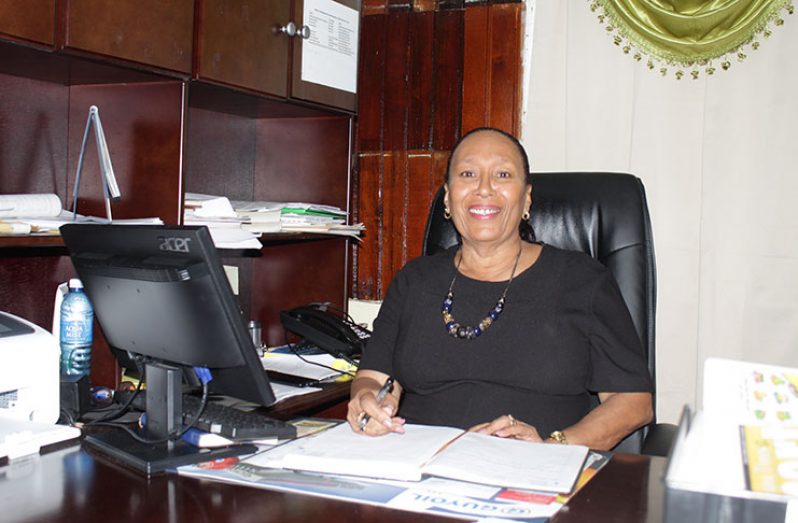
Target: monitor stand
(164,416)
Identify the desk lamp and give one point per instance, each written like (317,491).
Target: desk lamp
(110,187)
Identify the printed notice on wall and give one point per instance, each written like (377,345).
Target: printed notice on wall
(329,56)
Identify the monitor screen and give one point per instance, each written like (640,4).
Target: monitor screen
(161,292)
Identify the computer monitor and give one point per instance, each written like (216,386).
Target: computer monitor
(160,292)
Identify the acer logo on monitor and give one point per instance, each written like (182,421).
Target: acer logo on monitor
(172,244)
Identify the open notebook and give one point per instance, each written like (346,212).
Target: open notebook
(438,451)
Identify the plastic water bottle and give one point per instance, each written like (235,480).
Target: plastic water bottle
(77,318)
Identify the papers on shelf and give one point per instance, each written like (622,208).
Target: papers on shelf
(439,451)
(41,214)
(225,226)
(256,217)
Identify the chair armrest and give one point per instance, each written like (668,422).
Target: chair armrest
(659,439)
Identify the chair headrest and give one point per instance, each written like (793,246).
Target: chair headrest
(596,213)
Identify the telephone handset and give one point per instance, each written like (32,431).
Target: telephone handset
(331,332)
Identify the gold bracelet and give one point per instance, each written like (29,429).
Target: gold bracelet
(559,437)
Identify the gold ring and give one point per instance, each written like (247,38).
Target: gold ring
(513,421)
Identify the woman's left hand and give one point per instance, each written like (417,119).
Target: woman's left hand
(508,427)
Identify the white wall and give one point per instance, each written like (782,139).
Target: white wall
(717,157)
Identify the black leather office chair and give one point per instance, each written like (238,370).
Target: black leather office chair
(606,216)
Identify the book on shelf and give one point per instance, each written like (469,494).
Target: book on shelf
(437,451)
(43,215)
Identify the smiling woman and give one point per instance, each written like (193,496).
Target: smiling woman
(487,193)
(537,330)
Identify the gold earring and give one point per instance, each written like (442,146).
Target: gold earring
(525,216)
(446,213)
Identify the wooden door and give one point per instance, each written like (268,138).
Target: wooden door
(240,43)
(312,91)
(151,32)
(32,20)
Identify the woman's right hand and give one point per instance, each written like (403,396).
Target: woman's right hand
(363,402)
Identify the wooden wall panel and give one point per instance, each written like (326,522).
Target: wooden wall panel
(394,169)
(444,68)
(492,76)
(33,136)
(396,87)
(421,183)
(448,79)
(477,68)
(286,169)
(421,81)
(367,254)
(143,126)
(371,82)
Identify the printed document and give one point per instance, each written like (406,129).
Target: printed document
(439,451)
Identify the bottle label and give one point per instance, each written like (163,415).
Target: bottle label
(76,332)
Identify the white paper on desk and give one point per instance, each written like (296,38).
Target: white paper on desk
(329,56)
(510,463)
(283,391)
(20,438)
(293,365)
(341,451)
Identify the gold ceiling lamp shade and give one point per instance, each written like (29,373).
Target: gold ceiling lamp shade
(688,36)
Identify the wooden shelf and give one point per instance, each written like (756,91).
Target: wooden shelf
(30,241)
(272,238)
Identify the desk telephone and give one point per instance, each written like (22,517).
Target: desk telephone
(331,332)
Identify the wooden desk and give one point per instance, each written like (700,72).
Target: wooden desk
(73,484)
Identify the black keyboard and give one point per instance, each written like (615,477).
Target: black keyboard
(233,423)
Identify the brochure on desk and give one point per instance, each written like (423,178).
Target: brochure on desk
(438,496)
(725,455)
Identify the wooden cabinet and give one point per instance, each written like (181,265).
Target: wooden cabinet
(167,135)
(28,20)
(315,92)
(239,43)
(258,46)
(152,32)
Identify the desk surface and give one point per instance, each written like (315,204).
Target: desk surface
(73,484)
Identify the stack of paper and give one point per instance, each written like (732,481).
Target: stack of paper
(42,214)
(257,219)
(225,226)
(229,219)
(303,217)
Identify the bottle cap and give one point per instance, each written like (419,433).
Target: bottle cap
(75,283)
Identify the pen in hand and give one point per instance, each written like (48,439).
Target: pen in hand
(384,390)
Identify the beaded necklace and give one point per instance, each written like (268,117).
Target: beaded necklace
(467,332)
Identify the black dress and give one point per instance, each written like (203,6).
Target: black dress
(565,332)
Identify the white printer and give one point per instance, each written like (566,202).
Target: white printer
(29,371)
